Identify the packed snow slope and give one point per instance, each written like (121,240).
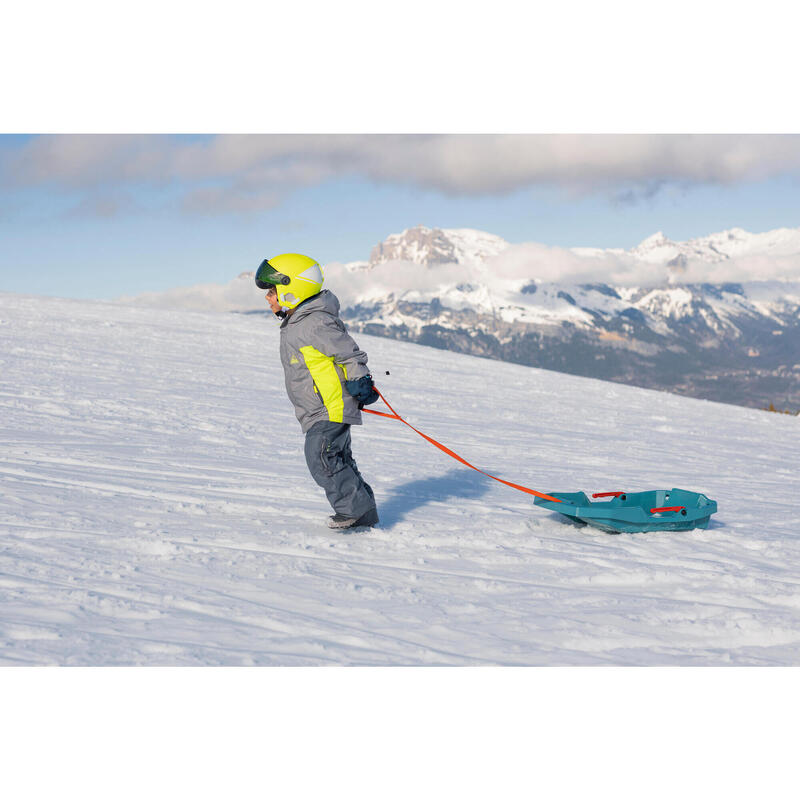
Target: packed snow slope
(155,508)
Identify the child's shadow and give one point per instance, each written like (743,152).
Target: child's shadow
(457,484)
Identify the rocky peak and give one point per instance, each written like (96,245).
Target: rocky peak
(431,246)
(419,245)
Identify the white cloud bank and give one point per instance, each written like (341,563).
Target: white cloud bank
(523,263)
(250,172)
(504,275)
(558,265)
(744,269)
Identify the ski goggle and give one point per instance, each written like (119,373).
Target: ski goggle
(267,276)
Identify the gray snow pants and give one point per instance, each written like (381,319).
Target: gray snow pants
(332,466)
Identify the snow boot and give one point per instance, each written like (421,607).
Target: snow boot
(368,520)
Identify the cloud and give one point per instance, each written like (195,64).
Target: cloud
(744,269)
(522,263)
(518,264)
(105,206)
(629,166)
(87,160)
(559,265)
(238,199)
(634,195)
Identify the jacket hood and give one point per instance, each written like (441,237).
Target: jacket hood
(325,301)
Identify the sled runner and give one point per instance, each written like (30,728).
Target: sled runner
(635,512)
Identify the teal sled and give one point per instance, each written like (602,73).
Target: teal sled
(635,512)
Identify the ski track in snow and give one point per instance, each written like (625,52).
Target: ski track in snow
(155,509)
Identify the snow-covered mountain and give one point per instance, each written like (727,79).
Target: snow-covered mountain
(732,341)
(483,258)
(431,246)
(663,314)
(727,245)
(156,509)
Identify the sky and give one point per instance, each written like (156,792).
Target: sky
(99,215)
(111,198)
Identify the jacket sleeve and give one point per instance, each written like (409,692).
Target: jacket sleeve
(331,338)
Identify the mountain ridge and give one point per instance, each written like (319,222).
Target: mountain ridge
(473,292)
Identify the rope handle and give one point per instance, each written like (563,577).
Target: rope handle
(395,415)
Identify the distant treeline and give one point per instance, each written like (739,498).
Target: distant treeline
(771,407)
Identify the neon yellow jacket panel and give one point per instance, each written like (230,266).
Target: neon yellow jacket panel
(318,356)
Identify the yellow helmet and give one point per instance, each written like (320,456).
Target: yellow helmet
(295,277)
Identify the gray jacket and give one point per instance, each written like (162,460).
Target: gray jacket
(318,356)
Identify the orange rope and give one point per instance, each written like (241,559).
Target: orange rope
(395,415)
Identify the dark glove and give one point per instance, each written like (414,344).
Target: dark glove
(363,389)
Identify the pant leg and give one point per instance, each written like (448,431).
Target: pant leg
(330,461)
(347,454)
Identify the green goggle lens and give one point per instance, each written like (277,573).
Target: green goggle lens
(267,276)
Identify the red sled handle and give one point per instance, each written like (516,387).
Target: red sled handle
(608,494)
(667,508)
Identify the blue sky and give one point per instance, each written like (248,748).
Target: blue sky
(102,216)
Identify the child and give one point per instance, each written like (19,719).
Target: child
(327,380)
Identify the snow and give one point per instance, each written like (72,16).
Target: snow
(422,244)
(474,245)
(727,244)
(737,242)
(656,249)
(155,508)
(668,303)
